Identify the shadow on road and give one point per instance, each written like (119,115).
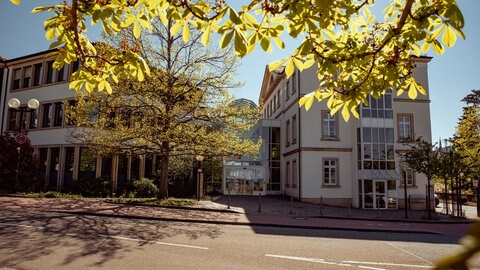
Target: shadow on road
(29,236)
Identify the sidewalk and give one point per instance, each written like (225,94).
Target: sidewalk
(244,210)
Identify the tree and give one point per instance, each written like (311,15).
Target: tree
(423,158)
(180,109)
(355,54)
(28,177)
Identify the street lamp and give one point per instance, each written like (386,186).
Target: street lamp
(20,138)
(199,158)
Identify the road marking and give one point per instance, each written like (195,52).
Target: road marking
(153,242)
(358,264)
(23,226)
(408,252)
(389,264)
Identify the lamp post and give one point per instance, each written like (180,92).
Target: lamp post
(20,138)
(199,158)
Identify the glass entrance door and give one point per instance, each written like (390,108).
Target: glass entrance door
(375,194)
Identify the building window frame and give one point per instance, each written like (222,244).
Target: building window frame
(287,174)
(287,133)
(326,126)
(330,172)
(409,175)
(405,135)
(294,129)
(294,173)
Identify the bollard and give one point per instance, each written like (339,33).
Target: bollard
(291,205)
(349,206)
(321,205)
(259,202)
(228,196)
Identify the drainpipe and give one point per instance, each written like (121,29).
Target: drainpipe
(299,142)
(3,87)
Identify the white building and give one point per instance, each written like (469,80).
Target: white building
(315,157)
(32,76)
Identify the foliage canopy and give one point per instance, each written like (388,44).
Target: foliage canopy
(355,53)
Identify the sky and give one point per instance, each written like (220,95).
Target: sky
(451,76)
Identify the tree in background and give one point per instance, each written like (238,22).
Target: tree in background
(355,53)
(29,177)
(180,109)
(466,141)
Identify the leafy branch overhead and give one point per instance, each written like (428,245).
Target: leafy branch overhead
(355,53)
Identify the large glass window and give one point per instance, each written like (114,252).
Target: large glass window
(33,119)
(87,164)
(378,149)
(27,75)
(378,108)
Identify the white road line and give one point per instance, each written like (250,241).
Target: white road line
(315,260)
(153,242)
(358,264)
(23,226)
(389,264)
(408,252)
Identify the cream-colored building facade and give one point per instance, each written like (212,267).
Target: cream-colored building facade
(320,158)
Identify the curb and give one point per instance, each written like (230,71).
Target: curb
(218,222)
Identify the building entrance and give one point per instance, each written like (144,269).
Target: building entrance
(379,194)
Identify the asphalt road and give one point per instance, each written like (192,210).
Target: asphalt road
(48,240)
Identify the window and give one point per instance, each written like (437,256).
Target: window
(46,115)
(294,83)
(275,103)
(37,74)
(75,66)
(27,75)
(405,128)
(17,76)
(12,119)
(377,149)
(32,123)
(50,73)
(378,108)
(62,73)
(58,116)
(287,174)
(278,100)
(294,129)
(287,131)
(408,175)
(329,126)
(330,175)
(294,173)
(71,121)
(287,90)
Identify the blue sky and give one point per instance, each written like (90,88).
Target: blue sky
(451,76)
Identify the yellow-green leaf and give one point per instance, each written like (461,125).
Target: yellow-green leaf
(276,64)
(438,48)
(186,33)
(345,113)
(136,30)
(108,87)
(412,89)
(206,36)
(449,37)
(16,2)
(225,40)
(290,67)
(50,34)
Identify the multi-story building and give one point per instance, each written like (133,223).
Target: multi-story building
(316,157)
(62,161)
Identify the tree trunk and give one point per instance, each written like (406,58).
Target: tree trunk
(163,185)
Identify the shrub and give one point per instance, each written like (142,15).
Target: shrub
(99,187)
(144,188)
